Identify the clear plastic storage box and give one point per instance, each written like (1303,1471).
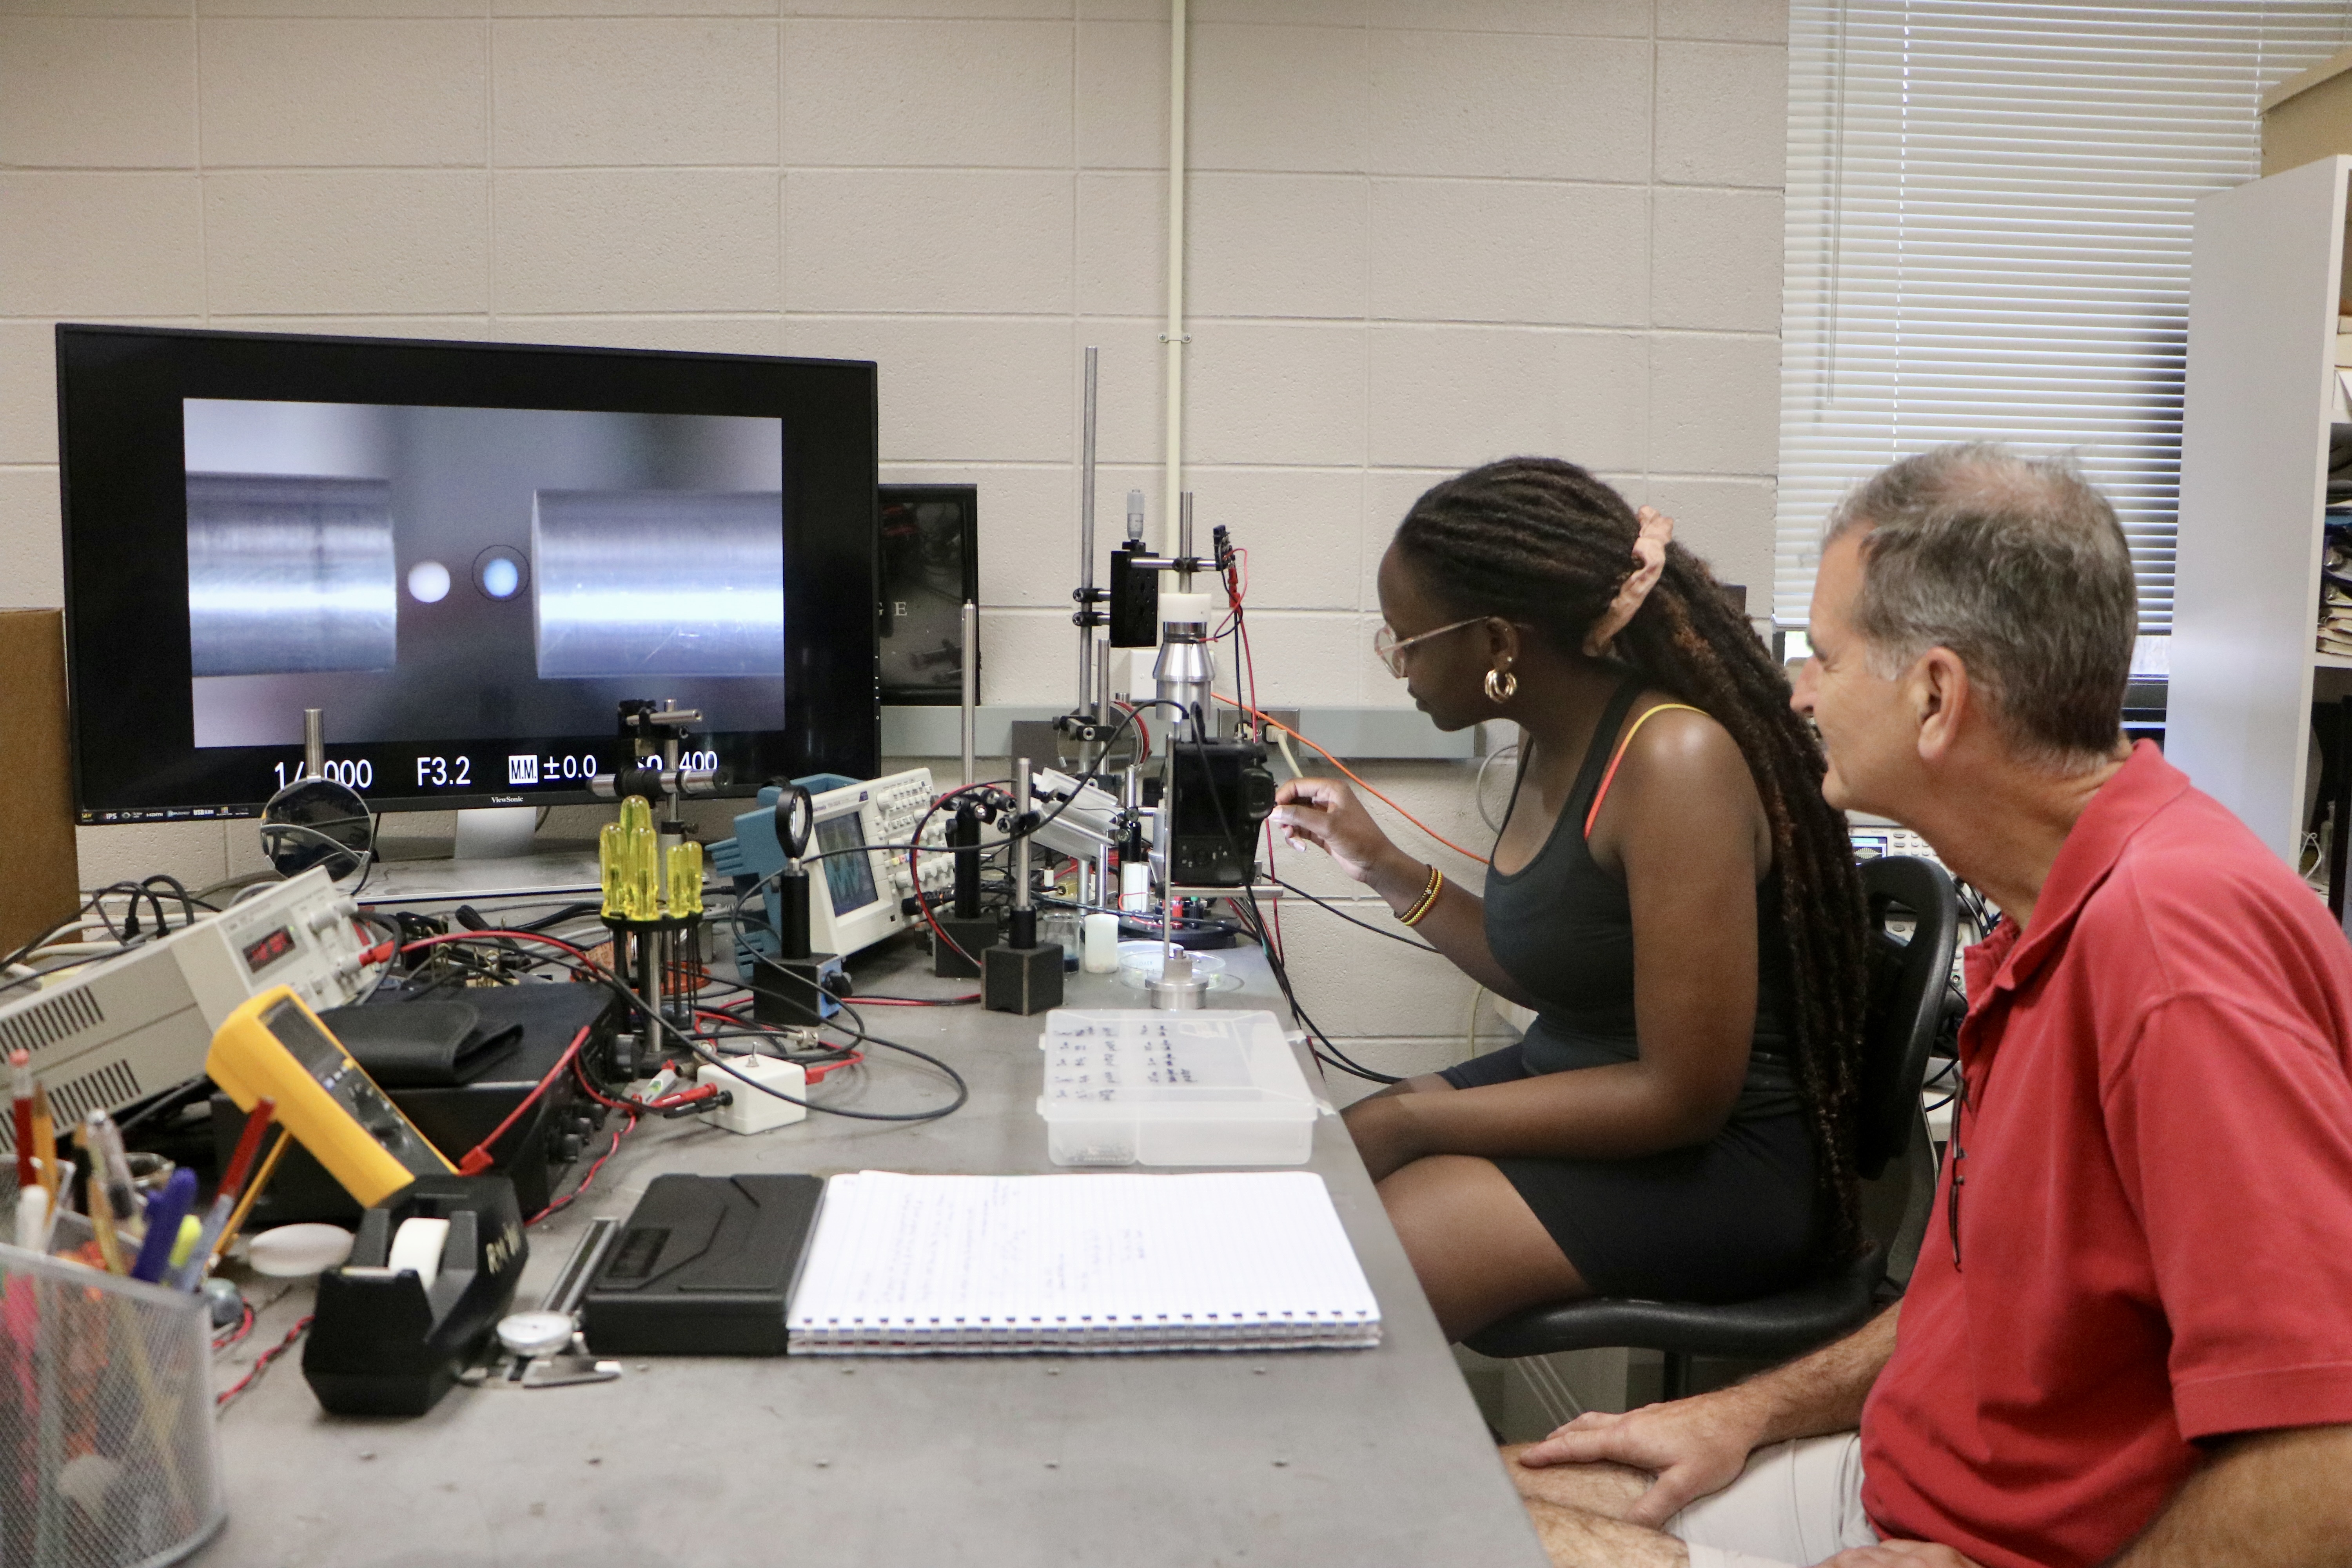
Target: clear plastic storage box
(1136,1087)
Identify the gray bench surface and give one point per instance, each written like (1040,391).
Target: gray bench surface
(1315,1459)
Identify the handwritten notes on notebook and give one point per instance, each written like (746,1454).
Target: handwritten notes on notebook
(1248,1260)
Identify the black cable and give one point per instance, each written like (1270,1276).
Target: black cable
(188,902)
(605,977)
(1367,925)
(172,1098)
(568,913)
(1336,1056)
(54,969)
(1134,714)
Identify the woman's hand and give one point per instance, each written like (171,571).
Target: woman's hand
(1327,813)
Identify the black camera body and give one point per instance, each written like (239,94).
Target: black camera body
(1223,792)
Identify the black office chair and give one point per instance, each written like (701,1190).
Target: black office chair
(1904,1013)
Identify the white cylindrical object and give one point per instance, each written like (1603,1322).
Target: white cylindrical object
(1099,944)
(1185,609)
(417,1245)
(1135,885)
(33,1201)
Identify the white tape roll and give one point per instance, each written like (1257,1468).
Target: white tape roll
(417,1245)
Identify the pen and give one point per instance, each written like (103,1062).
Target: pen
(93,1137)
(191,1273)
(20,1064)
(165,1210)
(245,1203)
(33,1219)
(114,1165)
(191,1230)
(45,1142)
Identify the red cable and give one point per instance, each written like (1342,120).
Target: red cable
(815,1072)
(237,1335)
(261,1363)
(478,1158)
(568,1198)
(1367,788)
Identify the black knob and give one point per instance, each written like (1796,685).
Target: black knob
(571,1146)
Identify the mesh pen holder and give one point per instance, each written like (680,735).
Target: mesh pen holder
(107,1456)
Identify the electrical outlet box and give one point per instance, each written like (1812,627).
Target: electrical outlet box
(749,1110)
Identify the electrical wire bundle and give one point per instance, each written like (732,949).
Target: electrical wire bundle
(65,945)
(692,1042)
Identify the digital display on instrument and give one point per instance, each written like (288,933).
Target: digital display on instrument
(307,1042)
(848,877)
(261,954)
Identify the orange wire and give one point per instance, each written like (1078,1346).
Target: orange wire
(1351,772)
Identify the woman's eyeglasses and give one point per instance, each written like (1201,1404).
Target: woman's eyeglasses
(1390,647)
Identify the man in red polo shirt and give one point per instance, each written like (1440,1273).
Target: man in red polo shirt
(2128,1337)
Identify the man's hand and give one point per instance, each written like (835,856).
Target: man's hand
(1692,1448)
(1901,1554)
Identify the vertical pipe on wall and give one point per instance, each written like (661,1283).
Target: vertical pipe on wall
(1175,336)
(1086,542)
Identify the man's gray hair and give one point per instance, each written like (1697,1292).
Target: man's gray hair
(2016,564)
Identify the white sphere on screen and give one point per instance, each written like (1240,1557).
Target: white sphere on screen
(501,578)
(428,581)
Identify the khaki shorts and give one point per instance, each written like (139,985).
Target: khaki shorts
(1795,1504)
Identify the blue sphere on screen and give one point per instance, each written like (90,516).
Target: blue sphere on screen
(501,578)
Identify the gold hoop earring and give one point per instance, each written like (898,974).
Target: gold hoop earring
(1501,686)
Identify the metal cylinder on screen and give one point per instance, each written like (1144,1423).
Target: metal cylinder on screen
(289,575)
(635,583)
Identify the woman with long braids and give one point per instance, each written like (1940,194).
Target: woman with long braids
(1669,892)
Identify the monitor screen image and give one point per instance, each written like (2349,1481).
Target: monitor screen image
(471,574)
(467,556)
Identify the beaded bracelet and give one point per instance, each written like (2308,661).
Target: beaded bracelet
(1428,900)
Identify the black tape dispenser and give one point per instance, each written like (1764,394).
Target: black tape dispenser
(433,1269)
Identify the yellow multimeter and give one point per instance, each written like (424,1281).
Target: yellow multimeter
(275,1045)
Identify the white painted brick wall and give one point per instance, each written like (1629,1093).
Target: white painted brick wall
(1423,233)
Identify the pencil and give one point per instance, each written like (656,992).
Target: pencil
(20,1071)
(245,1203)
(190,1273)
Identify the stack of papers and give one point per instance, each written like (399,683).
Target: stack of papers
(953,1265)
(2335,588)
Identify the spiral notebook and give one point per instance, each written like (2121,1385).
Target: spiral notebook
(1249,1260)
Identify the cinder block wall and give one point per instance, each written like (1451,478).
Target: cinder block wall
(1422,233)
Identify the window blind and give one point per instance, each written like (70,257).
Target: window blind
(1989,211)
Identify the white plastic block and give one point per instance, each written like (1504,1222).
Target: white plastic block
(749,1109)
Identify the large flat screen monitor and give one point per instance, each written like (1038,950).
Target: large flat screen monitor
(466,554)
